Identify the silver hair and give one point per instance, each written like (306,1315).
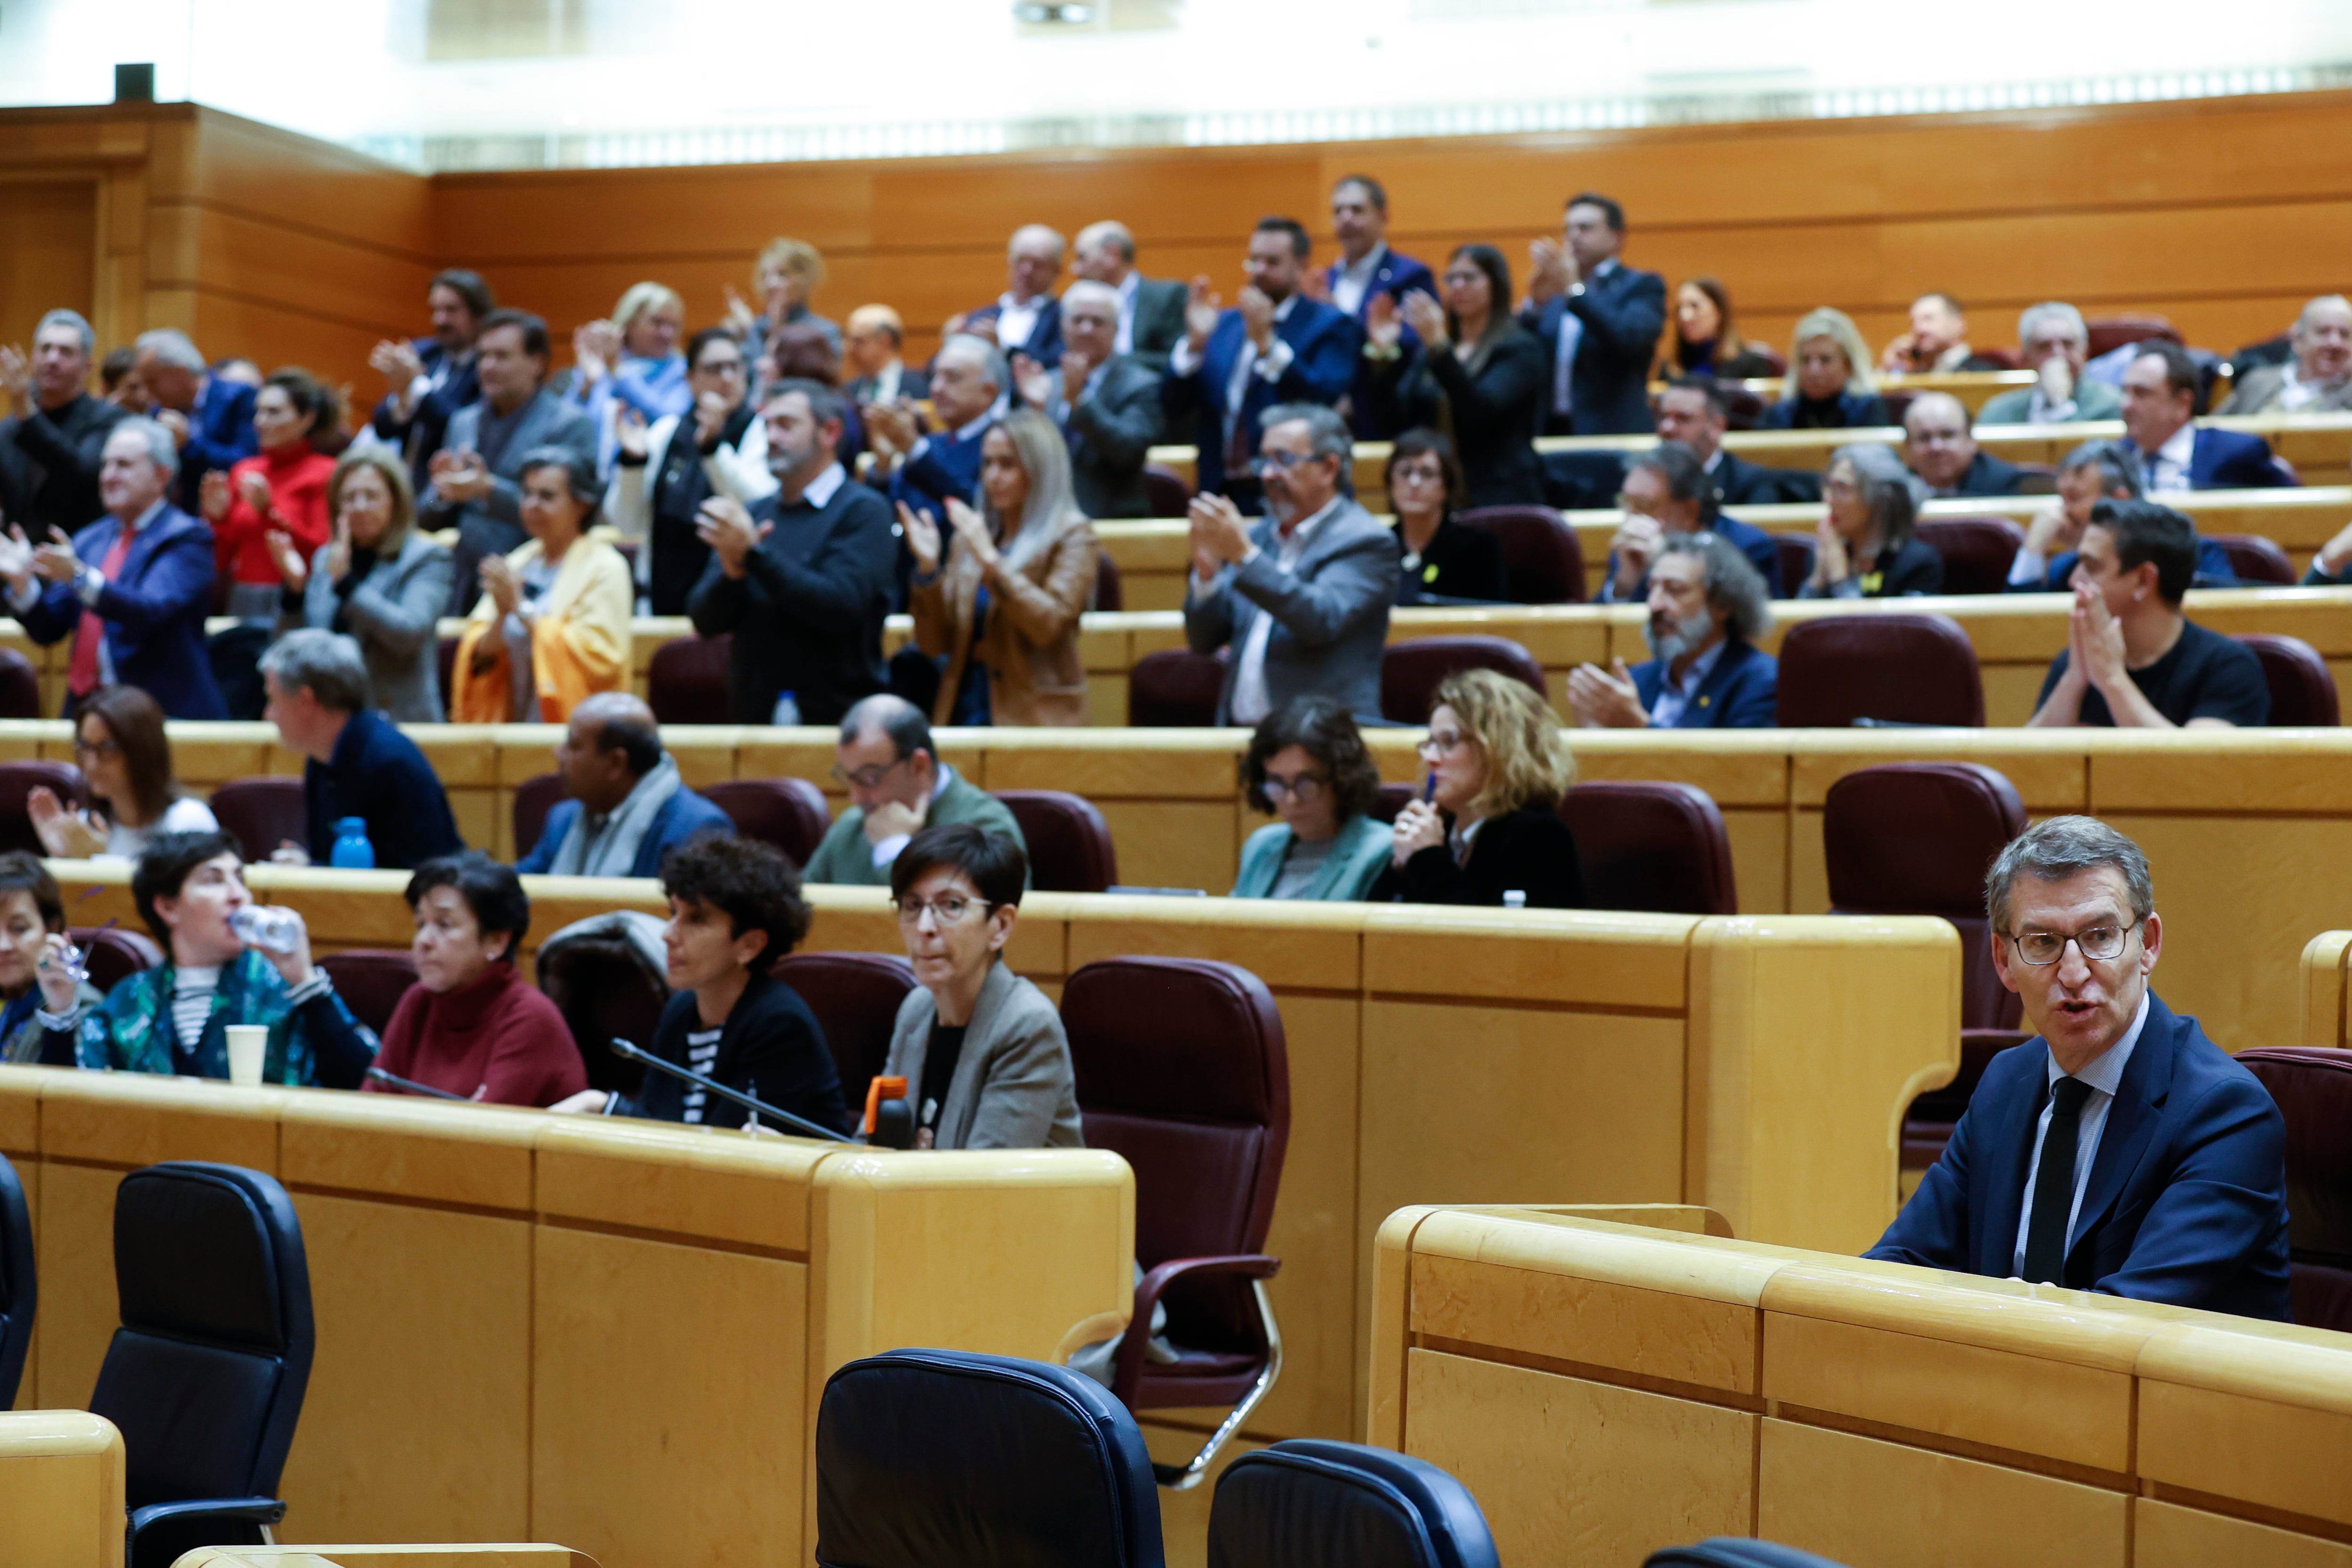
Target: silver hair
(328,663)
(161,450)
(2061,847)
(173,346)
(1088,286)
(74,319)
(1733,584)
(2033,316)
(1113,233)
(1328,435)
(1061,246)
(2301,317)
(993,364)
(1888,489)
(2118,467)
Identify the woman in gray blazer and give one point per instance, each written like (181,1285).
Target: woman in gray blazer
(981,1049)
(383,582)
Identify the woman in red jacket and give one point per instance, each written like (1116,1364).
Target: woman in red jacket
(268,512)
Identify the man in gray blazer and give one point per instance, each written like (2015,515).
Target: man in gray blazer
(2317,379)
(1106,404)
(1150,309)
(478,474)
(1301,597)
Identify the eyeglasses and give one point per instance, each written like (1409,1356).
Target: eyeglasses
(1305,788)
(101,750)
(866,777)
(1441,742)
(2099,944)
(1638,505)
(1285,461)
(946,909)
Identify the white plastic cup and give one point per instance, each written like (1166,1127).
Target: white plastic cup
(248,1044)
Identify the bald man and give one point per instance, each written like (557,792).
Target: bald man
(2317,379)
(1025,319)
(628,807)
(897,787)
(1942,449)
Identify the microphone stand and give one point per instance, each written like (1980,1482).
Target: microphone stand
(757,1109)
(412,1087)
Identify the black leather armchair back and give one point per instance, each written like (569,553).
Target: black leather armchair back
(1309,1503)
(17,1293)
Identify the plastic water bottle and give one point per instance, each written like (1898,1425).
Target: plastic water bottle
(1515,899)
(266,929)
(788,711)
(352,852)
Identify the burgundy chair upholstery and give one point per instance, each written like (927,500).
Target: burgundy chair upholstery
(444,653)
(1108,595)
(1542,563)
(533,799)
(1165,491)
(18,780)
(1413,670)
(371,981)
(856,998)
(1746,410)
(1977,550)
(2037,478)
(1910,669)
(1070,849)
(2256,559)
(787,813)
(1796,560)
(2109,334)
(1898,403)
(1655,847)
(261,813)
(1175,689)
(603,988)
(1182,1071)
(2313,1086)
(20,686)
(687,683)
(114,952)
(2303,689)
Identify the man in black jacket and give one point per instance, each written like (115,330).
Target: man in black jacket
(803,578)
(51,444)
(1599,322)
(1695,411)
(1941,448)
(1107,403)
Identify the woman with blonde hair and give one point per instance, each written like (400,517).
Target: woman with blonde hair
(1829,386)
(380,580)
(783,277)
(553,625)
(631,362)
(1498,768)
(1001,597)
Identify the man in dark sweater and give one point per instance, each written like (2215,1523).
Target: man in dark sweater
(803,578)
(360,763)
(51,443)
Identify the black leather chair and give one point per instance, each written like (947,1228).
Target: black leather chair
(533,799)
(686,681)
(20,686)
(1734,1551)
(261,813)
(1175,689)
(1413,670)
(1656,846)
(1900,668)
(17,781)
(205,1376)
(604,986)
(928,1458)
(2313,1086)
(855,998)
(2303,689)
(2256,560)
(113,955)
(1182,1071)
(787,813)
(1312,1503)
(1070,850)
(371,981)
(1542,562)
(19,1294)
(1977,550)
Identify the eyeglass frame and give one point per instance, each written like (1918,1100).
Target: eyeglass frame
(879,770)
(939,920)
(1285,461)
(2123,942)
(1301,788)
(1429,745)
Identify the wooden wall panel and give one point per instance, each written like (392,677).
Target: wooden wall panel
(51,259)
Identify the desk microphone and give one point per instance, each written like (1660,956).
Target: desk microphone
(410,1085)
(758,1109)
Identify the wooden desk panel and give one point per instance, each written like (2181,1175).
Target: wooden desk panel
(61,1489)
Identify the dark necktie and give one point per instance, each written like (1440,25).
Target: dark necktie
(2053,1184)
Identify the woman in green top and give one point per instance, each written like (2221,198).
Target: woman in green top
(1307,763)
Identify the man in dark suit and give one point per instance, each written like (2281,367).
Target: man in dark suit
(1024,319)
(969,379)
(1150,309)
(1598,320)
(1106,404)
(2123,1151)
(1366,269)
(802,579)
(872,342)
(1276,346)
(1707,611)
(1663,496)
(2176,453)
(1695,411)
(132,589)
(49,446)
(209,417)
(1941,448)
(428,381)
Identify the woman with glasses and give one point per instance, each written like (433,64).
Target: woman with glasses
(1476,372)
(981,1049)
(1444,560)
(1306,764)
(1865,547)
(126,760)
(1487,828)
(735,908)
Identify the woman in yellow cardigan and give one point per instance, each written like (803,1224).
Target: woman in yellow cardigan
(553,623)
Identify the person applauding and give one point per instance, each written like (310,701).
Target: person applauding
(1476,371)
(553,621)
(125,753)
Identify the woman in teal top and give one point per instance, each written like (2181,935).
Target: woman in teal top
(1306,764)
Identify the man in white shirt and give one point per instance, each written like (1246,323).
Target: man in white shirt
(1025,317)
(1150,309)
(2317,380)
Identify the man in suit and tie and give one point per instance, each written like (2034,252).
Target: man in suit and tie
(1598,320)
(873,341)
(1707,612)
(132,589)
(1302,596)
(210,417)
(1024,319)
(2122,1152)
(1663,495)
(1366,269)
(1696,411)
(2175,452)
(428,381)
(1150,309)
(1941,448)
(969,380)
(1106,403)
(475,479)
(1276,346)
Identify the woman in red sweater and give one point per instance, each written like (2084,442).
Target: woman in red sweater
(470,1025)
(269,512)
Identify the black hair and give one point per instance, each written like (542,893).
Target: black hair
(1706,386)
(1372,188)
(22,872)
(1325,732)
(118,363)
(703,340)
(1488,260)
(534,329)
(1422,441)
(307,395)
(162,870)
(749,881)
(1610,210)
(826,406)
(467,285)
(639,743)
(491,890)
(2179,371)
(1686,476)
(1300,245)
(2145,531)
(994,863)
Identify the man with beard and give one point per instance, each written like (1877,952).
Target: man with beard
(1707,611)
(802,577)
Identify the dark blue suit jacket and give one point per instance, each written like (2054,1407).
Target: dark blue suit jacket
(220,432)
(684,815)
(1608,384)
(1741,692)
(1044,345)
(1750,540)
(1396,277)
(2186,1200)
(154,609)
(2213,569)
(429,425)
(2229,460)
(1325,344)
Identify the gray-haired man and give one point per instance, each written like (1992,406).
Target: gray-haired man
(51,442)
(359,764)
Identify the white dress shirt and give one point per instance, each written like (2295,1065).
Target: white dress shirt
(1356,277)
(2105,1075)
(1572,334)
(1674,695)
(1015,319)
(1251,701)
(1125,342)
(888,849)
(1270,365)
(820,488)
(2167,466)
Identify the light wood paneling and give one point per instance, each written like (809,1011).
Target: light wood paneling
(2165,1535)
(49,260)
(62,1490)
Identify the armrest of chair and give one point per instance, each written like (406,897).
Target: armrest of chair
(1127,1367)
(251,1510)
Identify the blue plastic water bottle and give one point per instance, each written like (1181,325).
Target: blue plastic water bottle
(352,852)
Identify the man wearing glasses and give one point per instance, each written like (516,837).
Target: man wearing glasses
(1665,495)
(2122,1152)
(898,787)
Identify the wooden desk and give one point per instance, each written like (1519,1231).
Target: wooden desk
(410,1556)
(1607,1390)
(61,1486)
(613,1334)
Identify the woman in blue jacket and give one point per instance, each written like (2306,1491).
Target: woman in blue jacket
(1306,764)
